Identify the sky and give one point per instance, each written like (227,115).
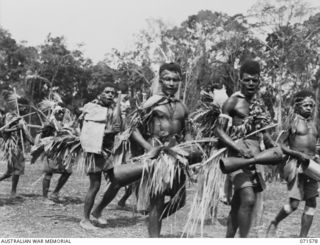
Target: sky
(100,24)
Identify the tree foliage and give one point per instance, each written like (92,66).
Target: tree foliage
(284,35)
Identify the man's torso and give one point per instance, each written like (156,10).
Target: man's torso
(167,119)
(303,136)
(240,111)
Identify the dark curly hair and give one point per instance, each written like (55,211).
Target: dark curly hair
(301,95)
(251,67)
(174,67)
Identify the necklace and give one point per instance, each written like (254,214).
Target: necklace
(171,107)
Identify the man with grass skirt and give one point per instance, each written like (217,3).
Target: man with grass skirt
(99,127)
(120,158)
(242,114)
(167,125)
(158,126)
(14,135)
(299,143)
(54,166)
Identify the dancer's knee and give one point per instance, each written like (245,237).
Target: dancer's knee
(114,182)
(309,211)
(47,176)
(294,204)
(94,186)
(248,198)
(288,209)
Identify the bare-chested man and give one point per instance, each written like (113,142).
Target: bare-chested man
(299,143)
(242,114)
(168,124)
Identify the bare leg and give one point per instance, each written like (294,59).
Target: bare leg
(232,223)
(95,182)
(307,216)
(46,184)
(247,200)
(228,189)
(127,194)
(156,209)
(61,182)
(306,222)
(257,212)
(108,196)
(15,180)
(7,174)
(284,212)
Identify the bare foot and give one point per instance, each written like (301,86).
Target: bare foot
(100,220)
(13,195)
(47,201)
(272,230)
(54,196)
(87,225)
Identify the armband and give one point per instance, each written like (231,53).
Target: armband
(309,211)
(224,121)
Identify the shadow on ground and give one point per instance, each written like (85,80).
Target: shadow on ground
(68,200)
(7,200)
(123,221)
(63,218)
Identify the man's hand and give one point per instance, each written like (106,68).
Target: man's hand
(303,158)
(154,152)
(247,153)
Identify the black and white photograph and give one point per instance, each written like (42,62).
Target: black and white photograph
(159,119)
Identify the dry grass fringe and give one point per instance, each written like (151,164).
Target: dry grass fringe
(160,172)
(210,178)
(10,150)
(206,197)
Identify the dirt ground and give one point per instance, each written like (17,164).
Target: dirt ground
(29,216)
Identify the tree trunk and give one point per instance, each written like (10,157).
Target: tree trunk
(279,111)
(317,104)
(185,89)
